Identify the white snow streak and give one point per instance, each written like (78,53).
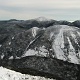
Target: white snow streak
(30,52)
(70,44)
(34,30)
(58,44)
(74,37)
(51,35)
(11,57)
(78,33)
(72,55)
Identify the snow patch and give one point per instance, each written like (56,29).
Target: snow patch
(34,31)
(74,37)
(51,35)
(12,37)
(72,55)
(43,28)
(6,74)
(2,56)
(9,43)
(17,57)
(30,52)
(43,51)
(70,44)
(0,45)
(11,57)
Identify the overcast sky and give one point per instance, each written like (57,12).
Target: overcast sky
(27,9)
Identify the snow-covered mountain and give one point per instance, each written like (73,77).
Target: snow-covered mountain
(59,41)
(6,74)
(41,45)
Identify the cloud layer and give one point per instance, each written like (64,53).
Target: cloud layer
(26,9)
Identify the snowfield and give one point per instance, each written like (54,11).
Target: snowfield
(63,52)
(59,41)
(65,43)
(6,74)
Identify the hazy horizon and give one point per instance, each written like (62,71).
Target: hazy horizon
(30,9)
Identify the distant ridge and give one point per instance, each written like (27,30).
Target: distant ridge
(42,19)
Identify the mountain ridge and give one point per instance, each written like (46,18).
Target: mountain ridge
(43,41)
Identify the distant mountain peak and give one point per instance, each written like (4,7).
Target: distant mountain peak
(42,19)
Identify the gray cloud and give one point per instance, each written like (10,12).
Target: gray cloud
(56,9)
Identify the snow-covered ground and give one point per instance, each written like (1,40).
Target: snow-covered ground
(41,51)
(6,74)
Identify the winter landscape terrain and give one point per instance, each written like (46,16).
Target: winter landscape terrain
(48,39)
(6,74)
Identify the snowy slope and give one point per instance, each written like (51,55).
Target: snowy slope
(65,49)
(59,41)
(58,44)
(6,74)
(62,43)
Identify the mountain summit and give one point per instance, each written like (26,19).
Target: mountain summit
(42,19)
